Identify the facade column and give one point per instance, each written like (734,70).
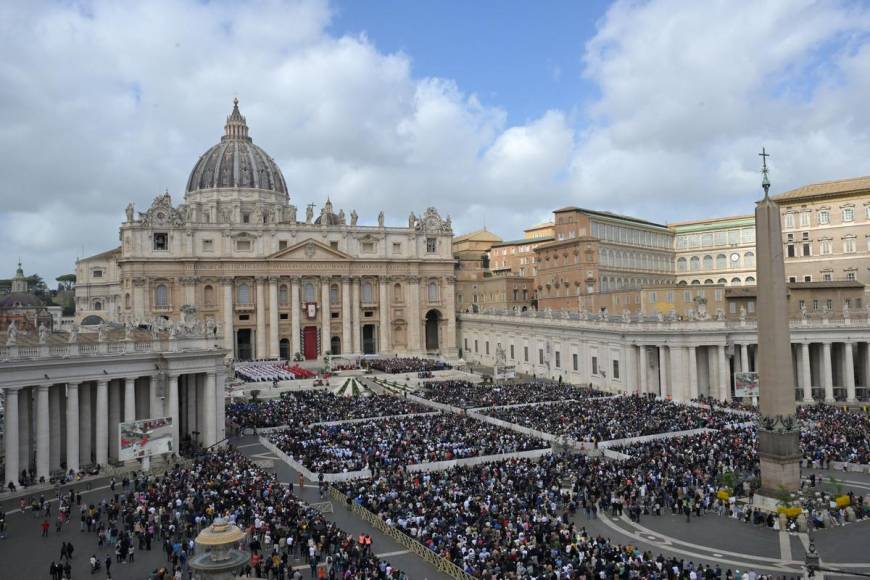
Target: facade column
(274,347)
(193,402)
(220,401)
(210,397)
(724,374)
(641,373)
(294,317)
(664,387)
(11,438)
(867,370)
(85,429)
(155,405)
(325,317)
(25,428)
(72,427)
(827,372)
(355,321)
(678,384)
(114,418)
(346,337)
(414,314)
(384,342)
(55,425)
(449,300)
(744,358)
(229,333)
(849,371)
(261,319)
(43,434)
(805,375)
(172,411)
(102,417)
(692,389)
(129,399)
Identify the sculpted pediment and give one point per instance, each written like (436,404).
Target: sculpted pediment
(311,250)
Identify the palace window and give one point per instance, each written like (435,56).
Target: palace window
(849,246)
(824,217)
(208,245)
(825,247)
(558,359)
(574,361)
(368,247)
(98,274)
(161,295)
(397,248)
(161,242)
(749,259)
(721,261)
(540,356)
(616,370)
(367,296)
(283,295)
(243,294)
(282,244)
(433,291)
(805,219)
(789,220)
(208,295)
(308,290)
(243,245)
(827,277)
(526,354)
(595,365)
(850,276)
(848,214)
(397,293)
(431,245)
(333,294)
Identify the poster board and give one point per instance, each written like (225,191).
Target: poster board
(144,438)
(745,384)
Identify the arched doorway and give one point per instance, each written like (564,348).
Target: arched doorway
(335,345)
(284,349)
(243,344)
(433,317)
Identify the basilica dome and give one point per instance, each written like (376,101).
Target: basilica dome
(236,162)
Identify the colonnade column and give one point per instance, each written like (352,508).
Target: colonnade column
(229,339)
(102,423)
(274,347)
(172,411)
(25,427)
(261,318)
(414,314)
(129,399)
(664,388)
(55,425)
(867,370)
(325,317)
(805,374)
(849,370)
(346,337)
(641,382)
(72,427)
(11,437)
(744,358)
(384,343)
(43,433)
(450,302)
(678,382)
(294,316)
(827,372)
(114,419)
(693,374)
(355,322)
(724,378)
(85,431)
(210,410)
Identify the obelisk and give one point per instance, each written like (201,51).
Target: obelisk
(778,432)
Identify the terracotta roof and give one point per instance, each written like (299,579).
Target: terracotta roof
(608,214)
(824,188)
(483,235)
(523,241)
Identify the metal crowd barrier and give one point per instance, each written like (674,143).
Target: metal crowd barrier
(441,564)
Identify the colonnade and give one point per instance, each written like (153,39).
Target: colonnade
(62,427)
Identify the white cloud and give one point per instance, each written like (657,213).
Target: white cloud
(105,103)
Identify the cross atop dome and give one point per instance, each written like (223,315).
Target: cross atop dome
(236,127)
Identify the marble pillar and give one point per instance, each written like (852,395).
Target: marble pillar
(210,410)
(384,343)
(325,317)
(25,428)
(55,394)
(102,423)
(172,411)
(356,323)
(115,417)
(261,319)
(72,427)
(806,374)
(724,374)
(295,313)
(43,436)
(414,320)
(849,370)
(346,337)
(274,347)
(11,432)
(129,399)
(664,387)
(693,373)
(641,373)
(827,372)
(85,424)
(229,333)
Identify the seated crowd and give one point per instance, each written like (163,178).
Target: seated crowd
(470,395)
(169,510)
(305,407)
(262,371)
(396,365)
(829,433)
(614,418)
(511,519)
(397,441)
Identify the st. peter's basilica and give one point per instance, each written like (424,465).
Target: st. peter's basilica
(276,283)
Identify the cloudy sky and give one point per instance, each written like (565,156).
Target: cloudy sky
(495,112)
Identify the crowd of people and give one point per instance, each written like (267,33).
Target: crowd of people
(395,365)
(830,433)
(397,441)
(468,395)
(614,418)
(166,512)
(305,407)
(513,519)
(262,371)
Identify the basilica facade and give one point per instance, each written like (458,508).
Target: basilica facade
(276,283)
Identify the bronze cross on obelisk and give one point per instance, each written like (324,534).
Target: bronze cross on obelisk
(765,182)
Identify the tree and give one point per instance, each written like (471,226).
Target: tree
(66,282)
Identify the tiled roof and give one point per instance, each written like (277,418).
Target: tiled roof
(836,187)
